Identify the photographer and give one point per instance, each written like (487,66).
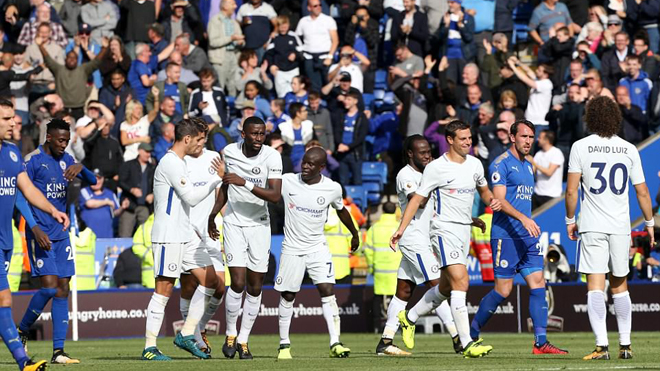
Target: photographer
(556,267)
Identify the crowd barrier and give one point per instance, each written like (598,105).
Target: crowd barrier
(118,313)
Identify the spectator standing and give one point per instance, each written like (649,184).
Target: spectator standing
(187,76)
(320,117)
(457,37)
(647,13)
(99,206)
(504,16)
(43,16)
(116,59)
(42,111)
(549,168)
(347,64)
(496,55)
(172,88)
(164,141)
(71,79)
(103,152)
(297,131)
(163,112)
(545,16)
(637,82)
(194,57)
(142,75)
(176,24)
(350,131)
(257,19)
(277,107)
(362,34)
(135,129)
(634,127)
(157,41)
(299,91)
(115,95)
(20,89)
(102,16)
(7,74)
(613,62)
(209,100)
(540,95)
(484,23)
(45,81)
(70,15)
(647,59)
(86,50)
(283,56)
(225,40)
(140,14)
(566,122)
(136,180)
(411,27)
(319,34)
(469,77)
(250,71)
(468,110)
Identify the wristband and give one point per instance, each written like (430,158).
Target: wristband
(249,186)
(650,223)
(569,220)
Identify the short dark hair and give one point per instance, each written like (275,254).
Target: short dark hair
(252,120)
(117,71)
(550,136)
(294,108)
(577,61)
(389,207)
(549,70)
(633,57)
(58,124)
(603,117)
(514,126)
(453,127)
(563,30)
(313,95)
(641,35)
(190,126)
(354,94)
(6,103)
(362,7)
(408,144)
(205,73)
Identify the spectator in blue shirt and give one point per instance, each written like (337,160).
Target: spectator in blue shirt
(350,133)
(638,83)
(483,12)
(457,37)
(99,206)
(546,15)
(165,140)
(277,106)
(142,75)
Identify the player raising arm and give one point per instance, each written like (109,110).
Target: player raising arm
(172,233)
(254,178)
(602,164)
(516,236)
(309,196)
(14,176)
(454,177)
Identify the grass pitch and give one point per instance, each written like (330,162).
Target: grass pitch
(310,352)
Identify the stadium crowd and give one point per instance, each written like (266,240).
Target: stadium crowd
(352,76)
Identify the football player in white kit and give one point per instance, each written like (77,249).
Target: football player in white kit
(454,177)
(308,197)
(201,173)
(174,195)
(419,263)
(602,164)
(254,178)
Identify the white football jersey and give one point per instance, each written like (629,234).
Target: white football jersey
(201,173)
(417,232)
(606,165)
(171,214)
(454,185)
(244,208)
(305,212)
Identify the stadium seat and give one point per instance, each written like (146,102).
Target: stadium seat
(358,194)
(381,80)
(374,171)
(368,99)
(373,190)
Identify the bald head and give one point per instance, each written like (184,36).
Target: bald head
(508,117)
(316,155)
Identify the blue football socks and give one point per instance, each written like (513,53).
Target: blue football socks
(487,308)
(36,306)
(60,321)
(10,337)
(538,310)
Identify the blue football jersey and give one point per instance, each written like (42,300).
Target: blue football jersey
(11,164)
(518,178)
(47,174)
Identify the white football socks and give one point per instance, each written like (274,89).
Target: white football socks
(184,306)
(213,306)
(623,310)
(155,316)
(597,310)
(431,300)
(285,314)
(460,314)
(232,311)
(444,313)
(251,309)
(331,315)
(392,324)
(198,305)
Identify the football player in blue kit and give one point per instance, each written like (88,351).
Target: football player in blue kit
(51,169)
(514,237)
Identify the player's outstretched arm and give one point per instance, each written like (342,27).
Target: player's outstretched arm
(571,199)
(36,198)
(345,217)
(499,193)
(411,210)
(644,200)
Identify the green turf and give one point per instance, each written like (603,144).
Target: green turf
(310,352)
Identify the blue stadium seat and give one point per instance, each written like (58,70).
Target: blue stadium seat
(368,99)
(373,190)
(381,80)
(358,194)
(521,16)
(375,172)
